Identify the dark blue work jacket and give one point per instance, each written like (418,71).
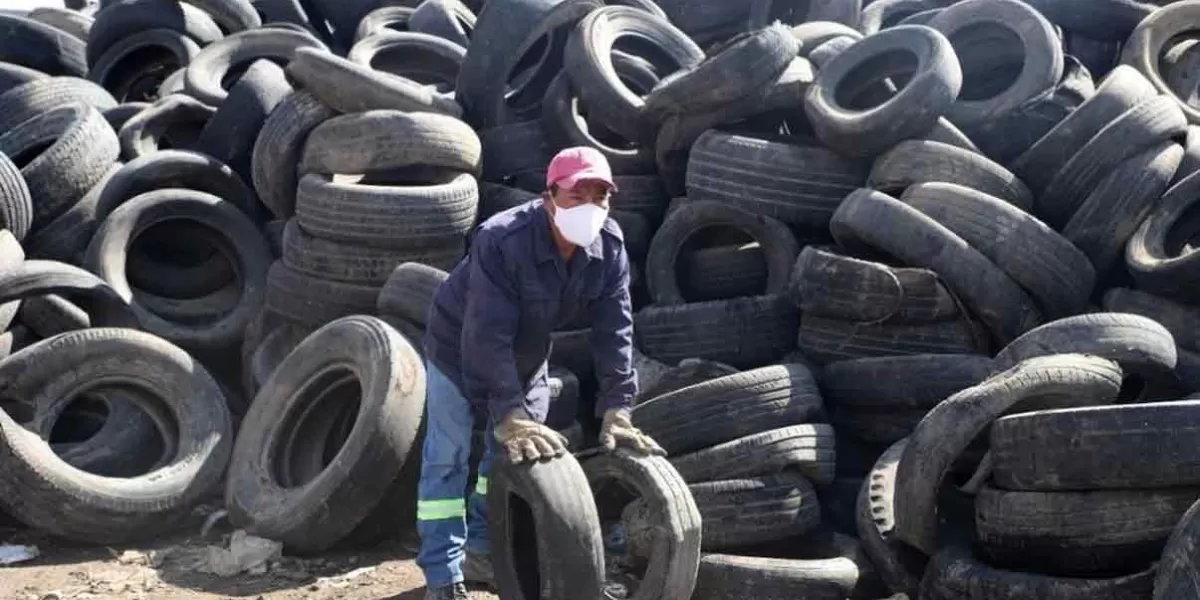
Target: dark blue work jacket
(490,323)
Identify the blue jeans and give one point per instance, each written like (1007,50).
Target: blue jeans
(447,520)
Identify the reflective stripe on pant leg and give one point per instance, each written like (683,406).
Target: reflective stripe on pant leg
(481,485)
(437,510)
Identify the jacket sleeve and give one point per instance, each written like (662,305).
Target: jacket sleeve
(612,338)
(489,368)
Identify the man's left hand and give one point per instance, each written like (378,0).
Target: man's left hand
(618,430)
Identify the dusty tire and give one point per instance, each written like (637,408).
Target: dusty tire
(1139,344)
(954,574)
(742,332)
(740,512)
(205,74)
(921,161)
(1154,256)
(825,340)
(279,148)
(384,140)
(350,88)
(409,291)
(806,449)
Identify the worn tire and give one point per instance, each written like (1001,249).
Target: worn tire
(806,449)
(205,74)
(279,148)
(383,140)
(348,87)
(1139,344)
(740,512)
(742,332)
(1155,254)
(954,575)
(920,161)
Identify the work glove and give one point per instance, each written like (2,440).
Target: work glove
(617,429)
(526,439)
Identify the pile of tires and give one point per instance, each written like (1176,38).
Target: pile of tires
(914,298)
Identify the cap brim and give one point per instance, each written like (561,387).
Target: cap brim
(571,181)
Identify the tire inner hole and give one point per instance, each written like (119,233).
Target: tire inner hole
(137,76)
(992,57)
(1183,236)
(630,528)
(182,270)
(865,86)
(523,535)
(749,278)
(80,421)
(27,155)
(113,430)
(316,427)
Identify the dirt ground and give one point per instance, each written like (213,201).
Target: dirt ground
(175,568)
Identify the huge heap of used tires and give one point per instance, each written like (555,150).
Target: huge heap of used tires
(917,308)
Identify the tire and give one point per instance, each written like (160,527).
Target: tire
(642,194)
(1176,570)
(911,112)
(955,574)
(73,22)
(425,59)
(128,444)
(148,131)
(1096,448)
(1154,254)
(349,263)
(385,140)
(117,117)
(13,76)
(124,19)
(726,576)
(62,153)
(730,407)
(409,291)
(587,59)
(744,63)
(1120,91)
(922,161)
(39,46)
(232,15)
(1190,163)
(43,491)
(65,238)
(130,75)
(1078,534)
(42,95)
(798,184)
(764,12)
(965,25)
(241,245)
(383,20)
(1114,210)
(387,415)
(37,278)
(397,217)
(993,296)
(16,206)
(740,512)
(1183,321)
(886,14)
(950,427)
(826,283)
(309,301)
(565,127)
(570,550)
(1139,344)
(514,148)
(806,449)
(205,74)
(350,88)
(447,19)
(1054,271)
(777,241)
(741,332)
(495,198)
(1150,40)
(670,512)
(279,148)
(271,352)
(825,340)
(1139,129)
(231,133)
(724,272)
(919,381)
(175,169)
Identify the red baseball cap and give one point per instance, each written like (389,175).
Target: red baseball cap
(579,163)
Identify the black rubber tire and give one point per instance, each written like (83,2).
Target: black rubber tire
(1151,38)
(383,140)
(1097,448)
(949,428)
(1120,91)
(33,98)
(105,307)
(731,407)
(688,372)
(447,19)
(409,290)
(65,238)
(400,217)
(388,414)
(348,87)
(1078,534)
(954,575)
(39,46)
(887,383)
(383,20)
(741,512)
(423,58)
(668,509)
(824,340)
(118,116)
(1191,155)
(642,194)
(270,352)
(793,13)
(587,58)
(312,302)
(1039,50)
(44,492)
(565,127)
(279,147)
(1054,271)
(922,161)
(570,550)
(239,242)
(123,19)
(62,153)
(887,14)
(205,75)
(231,133)
(1176,571)
(744,63)
(806,449)
(179,114)
(13,75)
(1182,320)
(71,21)
(175,169)
(742,332)
(143,59)
(724,272)
(128,444)
(350,263)
(1139,129)
(786,179)
(1156,254)
(1115,208)
(777,241)
(514,148)
(1139,344)
(828,283)
(232,15)
(993,296)
(867,130)
(16,205)
(495,198)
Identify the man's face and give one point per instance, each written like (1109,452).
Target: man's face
(584,192)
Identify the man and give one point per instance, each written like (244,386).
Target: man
(530,270)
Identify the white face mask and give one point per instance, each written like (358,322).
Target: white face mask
(580,224)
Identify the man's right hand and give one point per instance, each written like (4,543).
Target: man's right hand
(526,439)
